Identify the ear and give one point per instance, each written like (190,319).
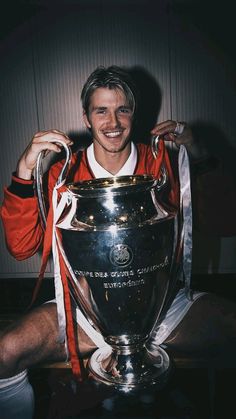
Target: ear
(86,121)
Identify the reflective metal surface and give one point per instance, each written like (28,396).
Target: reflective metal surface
(118,240)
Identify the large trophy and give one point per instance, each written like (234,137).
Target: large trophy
(119,243)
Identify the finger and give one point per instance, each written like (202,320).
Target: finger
(45,131)
(60,142)
(52,135)
(37,147)
(163,128)
(164,124)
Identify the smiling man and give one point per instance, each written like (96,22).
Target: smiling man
(109,117)
(109,103)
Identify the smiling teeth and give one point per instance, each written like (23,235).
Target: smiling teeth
(113,134)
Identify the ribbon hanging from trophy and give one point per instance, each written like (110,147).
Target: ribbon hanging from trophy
(186,209)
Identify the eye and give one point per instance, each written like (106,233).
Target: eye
(100,111)
(125,110)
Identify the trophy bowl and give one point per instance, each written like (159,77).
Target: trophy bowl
(119,240)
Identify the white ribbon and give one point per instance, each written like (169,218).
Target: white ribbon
(186,210)
(59,292)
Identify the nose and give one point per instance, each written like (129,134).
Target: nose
(113,120)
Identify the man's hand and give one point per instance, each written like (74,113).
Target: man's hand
(181,134)
(41,141)
(178,132)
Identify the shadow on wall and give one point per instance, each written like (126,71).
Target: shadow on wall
(214,188)
(214,199)
(149,103)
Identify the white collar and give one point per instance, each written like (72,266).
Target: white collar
(99,172)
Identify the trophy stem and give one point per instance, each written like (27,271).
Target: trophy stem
(128,367)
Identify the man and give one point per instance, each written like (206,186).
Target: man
(109,104)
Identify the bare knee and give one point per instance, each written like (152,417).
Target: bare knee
(32,340)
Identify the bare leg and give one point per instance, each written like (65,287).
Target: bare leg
(34,339)
(208,329)
(31,340)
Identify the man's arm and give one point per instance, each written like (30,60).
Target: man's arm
(19,211)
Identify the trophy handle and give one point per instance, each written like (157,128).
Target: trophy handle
(39,175)
(154,146)
(163,174)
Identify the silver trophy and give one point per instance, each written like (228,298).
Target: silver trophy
(119,243)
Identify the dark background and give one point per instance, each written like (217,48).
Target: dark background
(216,19)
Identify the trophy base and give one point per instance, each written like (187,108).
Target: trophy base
(130,371)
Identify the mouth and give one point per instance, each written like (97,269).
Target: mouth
(113,134)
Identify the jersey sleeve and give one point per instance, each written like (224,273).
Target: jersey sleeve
(20,213)
(21,223)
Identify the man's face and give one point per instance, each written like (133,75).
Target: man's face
(110,119)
